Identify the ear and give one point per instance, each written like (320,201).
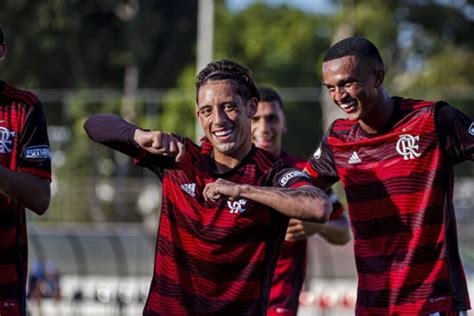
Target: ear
(285,129)
(379,75)
(252,107)
(3,50)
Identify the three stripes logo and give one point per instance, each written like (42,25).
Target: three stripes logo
(354,159)
(189,188)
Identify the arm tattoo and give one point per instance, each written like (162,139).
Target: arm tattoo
(305,191)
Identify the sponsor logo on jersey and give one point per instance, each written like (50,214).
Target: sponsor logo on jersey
(471,129)
(189,188)
(39,152)
(407,146)
(6,140)
(290,175)
(317,153)
(354,158)
(237,206)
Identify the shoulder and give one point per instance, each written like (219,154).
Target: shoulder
(19,95)
(292,160)
(407,104)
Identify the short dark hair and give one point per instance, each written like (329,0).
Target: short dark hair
(2,35)
(229,70)
(354,46)
(268,94)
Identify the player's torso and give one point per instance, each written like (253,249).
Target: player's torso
(402,163)
(222,251)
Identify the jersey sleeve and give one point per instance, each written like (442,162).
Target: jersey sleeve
(455,133)
(116,133)
(337,208)
(284,176)
(321,164)
(35,154)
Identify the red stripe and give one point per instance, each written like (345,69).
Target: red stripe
(388,245)
(227,291)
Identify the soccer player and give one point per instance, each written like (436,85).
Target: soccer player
(268,126)
(25,168)
(225,204)
(395,159)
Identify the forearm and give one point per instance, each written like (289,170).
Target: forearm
(307,203)
(31,191)
(333,231)
(112,131)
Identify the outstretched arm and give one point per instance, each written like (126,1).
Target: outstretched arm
(334,231)
(113,131)
(29,190)
(306,202)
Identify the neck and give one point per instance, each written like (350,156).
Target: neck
(379,116)
(226,162)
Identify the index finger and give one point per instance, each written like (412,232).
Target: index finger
(181,150)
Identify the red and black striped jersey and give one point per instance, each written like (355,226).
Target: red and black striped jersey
(290,270)
(24,147)
(211,257)
(399,187)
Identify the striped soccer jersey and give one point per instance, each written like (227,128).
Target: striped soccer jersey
(290,271)
(24,147)
(399,187)
(211,257)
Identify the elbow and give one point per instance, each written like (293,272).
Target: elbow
(322,211)
(343,239)
(41,205)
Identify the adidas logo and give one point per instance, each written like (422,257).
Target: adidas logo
(189,188)
(354,158)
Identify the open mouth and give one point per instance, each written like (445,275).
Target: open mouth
(223,134)
(349,107)
(263,142)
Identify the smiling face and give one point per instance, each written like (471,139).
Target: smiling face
(354,86)
(268,126)
(225,118)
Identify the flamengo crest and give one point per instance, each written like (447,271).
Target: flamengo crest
(407,146)
(237,206)
(6,140)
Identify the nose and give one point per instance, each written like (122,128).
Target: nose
(219,117)
(339,94)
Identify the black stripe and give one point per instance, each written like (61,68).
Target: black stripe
(384,264)
(395,225)
(214,271)
(201,305)
(407,294)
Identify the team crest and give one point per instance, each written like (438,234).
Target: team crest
(6,140)
(408,147)
(237,206)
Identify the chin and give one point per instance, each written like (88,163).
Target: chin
(226,148)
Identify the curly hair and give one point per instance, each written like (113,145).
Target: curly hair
(229,70)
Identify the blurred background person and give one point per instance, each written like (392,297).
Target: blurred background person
(268,126)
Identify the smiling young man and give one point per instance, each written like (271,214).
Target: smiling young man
(25,167)
(225,204)
(395,159)
(268,126)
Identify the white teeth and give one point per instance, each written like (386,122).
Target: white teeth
(223,132)
(346,106)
